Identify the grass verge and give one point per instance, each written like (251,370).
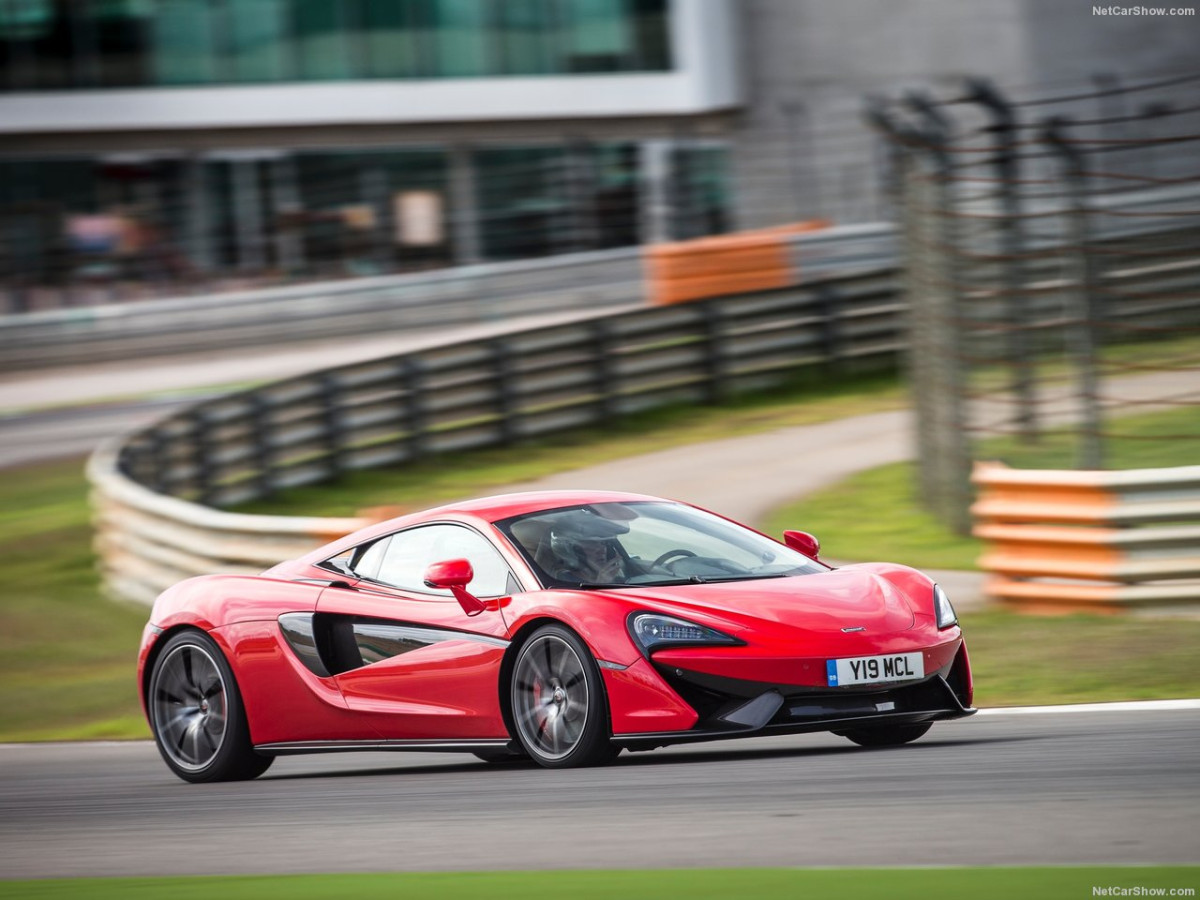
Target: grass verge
(695,884)
(876,514)
(1034,660)
(66,655)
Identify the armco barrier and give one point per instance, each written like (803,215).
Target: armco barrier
(147,542)
(154,492)
(1065,541)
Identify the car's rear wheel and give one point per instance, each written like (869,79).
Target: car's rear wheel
(887,735)
(196,713)
(558,701)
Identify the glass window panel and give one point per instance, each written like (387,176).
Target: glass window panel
(123,31)
(701,186)
(184,50)
(386,209)
(418,210)
(259,36)
(461,37)
(522,207)
(599,36)
(651,23)
(322,40)
(410,553)
(390,38)
(616,199)
(35,44)
(526,35)
(219,207)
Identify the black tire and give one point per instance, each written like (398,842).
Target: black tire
(196,713)
(887,735)
(559,708)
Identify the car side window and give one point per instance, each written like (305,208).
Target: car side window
(409,553)
(368,559)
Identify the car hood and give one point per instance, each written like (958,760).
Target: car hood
(823,603)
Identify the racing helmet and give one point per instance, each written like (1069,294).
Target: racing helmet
(570,532)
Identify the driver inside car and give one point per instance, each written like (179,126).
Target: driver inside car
(586,551)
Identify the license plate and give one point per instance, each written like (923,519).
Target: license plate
(871,669)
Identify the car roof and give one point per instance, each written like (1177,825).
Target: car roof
(486,509)
(504,506)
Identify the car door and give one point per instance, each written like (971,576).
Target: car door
(409,657)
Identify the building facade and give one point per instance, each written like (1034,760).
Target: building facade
(149,144)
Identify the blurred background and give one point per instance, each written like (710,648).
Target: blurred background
(153,148)
(263,262)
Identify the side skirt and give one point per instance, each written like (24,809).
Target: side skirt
(652,740)
(429,746)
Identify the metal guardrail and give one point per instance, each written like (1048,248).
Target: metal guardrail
(147,541)
(597,280)
(1066,541)
(155,491)
(317,311)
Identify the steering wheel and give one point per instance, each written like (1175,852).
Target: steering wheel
(670,554)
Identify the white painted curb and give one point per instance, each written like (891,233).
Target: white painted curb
(1126,706)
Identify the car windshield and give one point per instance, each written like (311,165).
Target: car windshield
(646,543)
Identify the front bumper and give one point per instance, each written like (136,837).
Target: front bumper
(734,708)
(771,713)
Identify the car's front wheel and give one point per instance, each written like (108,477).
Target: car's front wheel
(196,713)
(558,702)
(886,735)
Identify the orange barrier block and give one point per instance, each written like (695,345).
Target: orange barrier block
(1052,547)
(724,264)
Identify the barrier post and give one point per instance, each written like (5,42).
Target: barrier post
(411,377)
(952,464)
(505,399)
(1006,164)
(1087,312)
(331,422)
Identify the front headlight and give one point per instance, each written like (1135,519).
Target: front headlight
(653,631)
(941,604)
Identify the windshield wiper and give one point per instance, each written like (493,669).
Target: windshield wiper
(748,577)
(673,582)
(593,585)
(715,579)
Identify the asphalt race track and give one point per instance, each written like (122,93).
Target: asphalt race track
(1086,787)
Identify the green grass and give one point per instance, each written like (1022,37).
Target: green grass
(66,655)
(876,515)
(1036,660)
(983,883)
(806,401)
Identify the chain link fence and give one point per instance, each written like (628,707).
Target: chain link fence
(1050,247)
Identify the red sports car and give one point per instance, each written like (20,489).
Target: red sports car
(561,627)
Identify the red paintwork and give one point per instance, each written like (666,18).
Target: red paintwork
(456,574)
(450,573)
(451,689)
(803,542)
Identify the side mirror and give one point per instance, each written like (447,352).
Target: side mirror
(803,542)
(454,575)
